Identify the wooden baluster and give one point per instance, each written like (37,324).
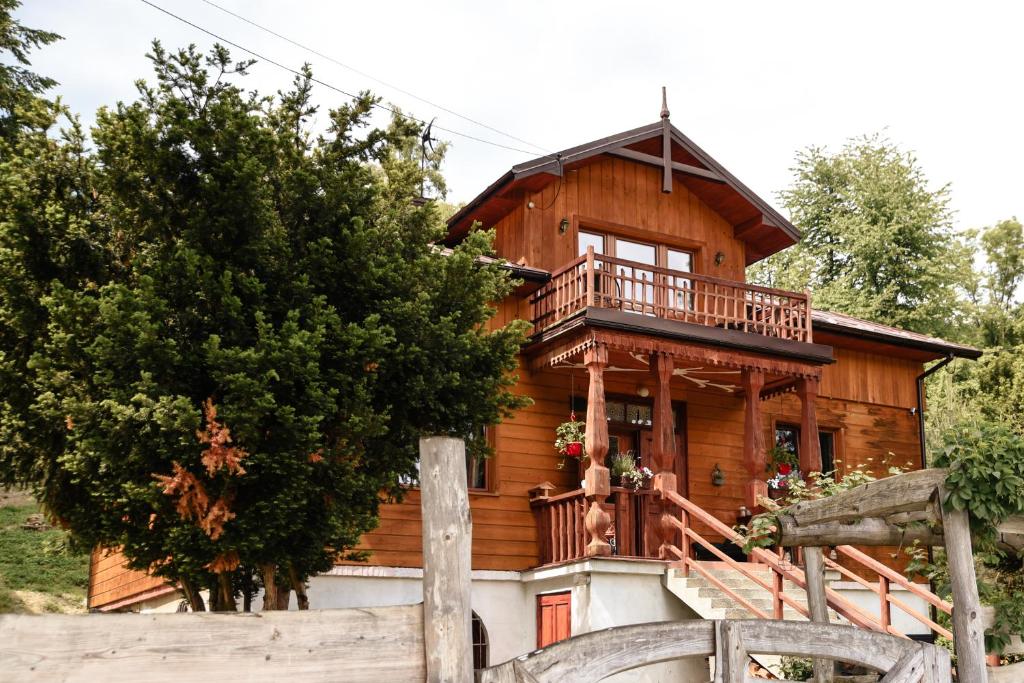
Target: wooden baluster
(886,608)
(806,308)
(684,517)
(776,595)
(598,484)
(553,531)
(591,283)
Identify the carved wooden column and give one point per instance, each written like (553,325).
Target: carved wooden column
(755,456)
(598,481)
(663,449)
(810,447)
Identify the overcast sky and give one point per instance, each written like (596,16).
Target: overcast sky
(751,82)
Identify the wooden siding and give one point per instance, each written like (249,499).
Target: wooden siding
(110,581)
(620,196)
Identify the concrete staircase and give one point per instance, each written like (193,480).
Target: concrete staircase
(710,602)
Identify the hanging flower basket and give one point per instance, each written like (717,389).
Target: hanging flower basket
(569,439)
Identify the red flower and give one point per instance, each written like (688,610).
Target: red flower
(785,468)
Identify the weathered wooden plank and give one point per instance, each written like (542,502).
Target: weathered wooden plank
(308,646)
(902,493)
(870,531)
(909,669)
(968,630)
(447,541)
(817,604)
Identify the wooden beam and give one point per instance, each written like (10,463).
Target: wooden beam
(810,447)
(754,452)
(968,626)
(731,658)
(870,531)
(909,492)
(738,231)
(447,545)
(678,167)
(598,479)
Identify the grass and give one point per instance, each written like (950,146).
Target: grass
(39,564)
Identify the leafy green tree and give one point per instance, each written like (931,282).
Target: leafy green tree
(240,374)
(878,241)
(19,86)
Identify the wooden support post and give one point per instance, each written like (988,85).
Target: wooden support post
(817,605)
(663,449)
(885,609)
(968,629)
(810,447)
(447,541)
(731,659)
(598,480)
(755,457)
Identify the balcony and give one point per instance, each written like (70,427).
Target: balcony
(598,281)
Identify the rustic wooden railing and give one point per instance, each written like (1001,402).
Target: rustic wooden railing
(608,282)
(560,524)
(781,569)
(600,654)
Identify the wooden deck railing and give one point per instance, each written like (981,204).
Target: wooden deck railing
(562,536)
(609,282)
(781,569)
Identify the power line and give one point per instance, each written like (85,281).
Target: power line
(370,76)
(279,65)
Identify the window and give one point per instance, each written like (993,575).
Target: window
(590,239)
(478,477)
(480,645)
(554,618)
(827,441)
(787,436)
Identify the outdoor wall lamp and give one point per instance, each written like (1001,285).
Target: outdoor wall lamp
(719,258)
(717,476)
(563,226)
(642,391)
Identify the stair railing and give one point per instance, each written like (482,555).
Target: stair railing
(780,570)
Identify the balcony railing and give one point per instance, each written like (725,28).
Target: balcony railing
(608,282)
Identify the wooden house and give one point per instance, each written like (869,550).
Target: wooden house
(632,252)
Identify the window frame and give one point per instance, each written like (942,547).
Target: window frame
(490,478)
(838,433)
(660,241)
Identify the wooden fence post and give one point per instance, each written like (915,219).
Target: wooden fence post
(447,541)
(968,629)
(817,604)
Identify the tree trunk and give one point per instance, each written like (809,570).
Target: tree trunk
(214,599)
(247,589)
(270,598)
(284,596)
(192,594)
(226,603)
(299,586)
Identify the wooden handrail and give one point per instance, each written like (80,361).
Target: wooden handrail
(893,576)
(841,605)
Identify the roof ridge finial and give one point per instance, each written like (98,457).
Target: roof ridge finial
(664,103)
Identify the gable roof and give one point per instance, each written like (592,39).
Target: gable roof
(764,230)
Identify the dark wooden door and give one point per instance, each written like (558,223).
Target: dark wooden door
(554,618)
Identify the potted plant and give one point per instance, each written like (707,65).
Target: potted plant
(569,440)
(782,464)
(624,468)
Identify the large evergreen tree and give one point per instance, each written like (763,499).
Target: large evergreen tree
(246,330)
(878,241)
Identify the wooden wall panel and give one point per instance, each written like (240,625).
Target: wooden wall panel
(110,581)
(624,193)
